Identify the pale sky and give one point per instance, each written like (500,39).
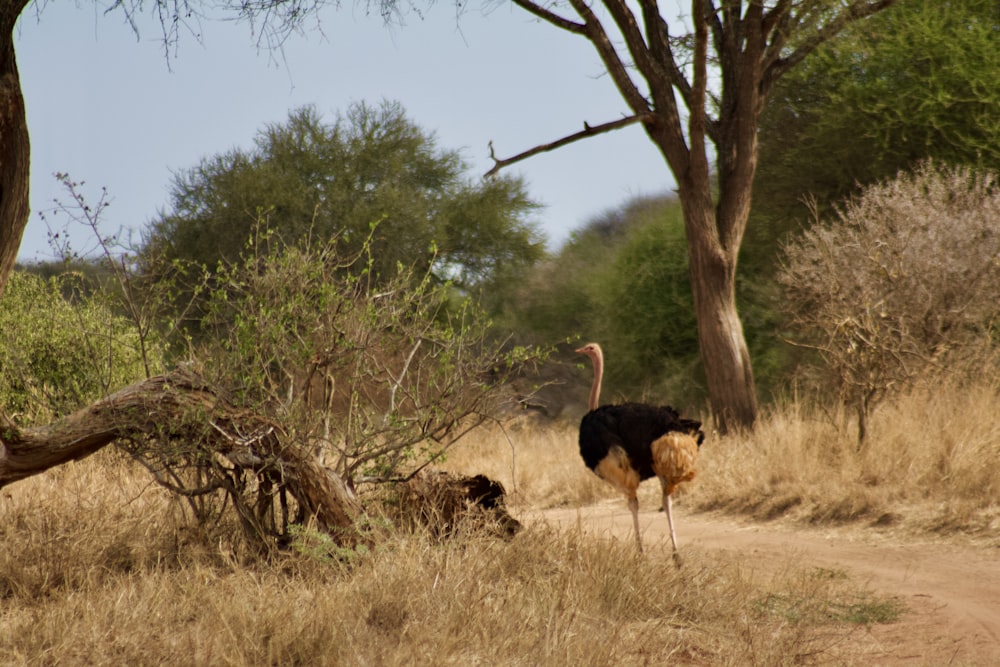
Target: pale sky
(106,108)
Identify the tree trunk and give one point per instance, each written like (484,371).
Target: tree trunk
(15,147)
(714,233)
(724,353)
(180,408)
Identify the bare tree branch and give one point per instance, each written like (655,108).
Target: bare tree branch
(587,131)
(609,56)
(653,70)
(658,35)
(696,121)
(551,17)
(777,25)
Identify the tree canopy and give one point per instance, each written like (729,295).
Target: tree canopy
(919,82)
(371,172)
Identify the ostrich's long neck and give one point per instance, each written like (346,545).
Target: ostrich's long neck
(595,389)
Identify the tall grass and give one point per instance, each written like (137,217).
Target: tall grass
(929,464)
(98,566)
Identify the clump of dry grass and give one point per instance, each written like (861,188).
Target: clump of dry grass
(928,464)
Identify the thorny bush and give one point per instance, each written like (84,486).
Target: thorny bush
(903,285)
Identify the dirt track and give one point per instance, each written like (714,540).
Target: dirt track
(952,591)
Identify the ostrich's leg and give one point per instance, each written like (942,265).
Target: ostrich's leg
(667,507)
(633,506)
(670,519)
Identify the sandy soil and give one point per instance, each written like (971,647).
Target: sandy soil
(952,591)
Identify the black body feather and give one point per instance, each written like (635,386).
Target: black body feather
(633,427)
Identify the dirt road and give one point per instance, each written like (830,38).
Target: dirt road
(952,591)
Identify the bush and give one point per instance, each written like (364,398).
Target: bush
(904,283)
(377,375)
(60,352)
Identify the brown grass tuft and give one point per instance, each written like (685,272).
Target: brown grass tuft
(928,464)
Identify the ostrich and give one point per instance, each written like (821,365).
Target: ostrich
(628,443)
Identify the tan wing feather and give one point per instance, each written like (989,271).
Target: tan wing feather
(674,457)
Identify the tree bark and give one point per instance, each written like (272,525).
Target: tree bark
(724,352)
(179,407)
(15,147)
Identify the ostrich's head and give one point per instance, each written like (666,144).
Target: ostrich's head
(592,350)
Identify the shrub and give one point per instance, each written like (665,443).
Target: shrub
(903,284)
(60,352)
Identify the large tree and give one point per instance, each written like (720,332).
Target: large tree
(310,178)
(664,77)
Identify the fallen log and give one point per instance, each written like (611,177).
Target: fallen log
(176,419)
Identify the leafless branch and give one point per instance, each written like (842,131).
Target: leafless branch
(613,63)
(550,17)
(587,131)
(397,381)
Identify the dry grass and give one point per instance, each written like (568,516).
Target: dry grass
(928,465)
(100,567)
(539,467)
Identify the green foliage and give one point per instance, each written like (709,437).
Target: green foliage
(60,350)
(310,179)
(558,297)
(374,375)
(622,281)
(919,81)
(154,303)
(316,545)
(648,310)
(806,603)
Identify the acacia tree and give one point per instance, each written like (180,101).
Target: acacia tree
(308,177)
(663,77)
